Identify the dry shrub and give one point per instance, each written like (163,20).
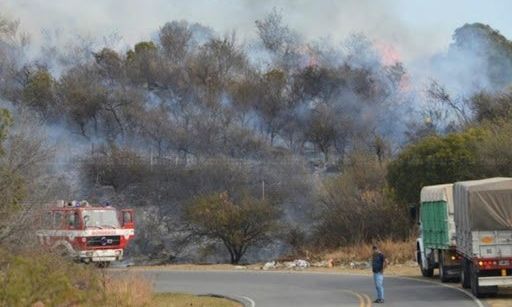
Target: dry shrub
(397,252)
(356,206)
(129,290)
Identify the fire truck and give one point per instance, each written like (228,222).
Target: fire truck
(87,233)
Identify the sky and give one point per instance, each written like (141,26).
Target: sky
(415,28)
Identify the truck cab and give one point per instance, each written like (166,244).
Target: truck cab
(87,233)
(436,246)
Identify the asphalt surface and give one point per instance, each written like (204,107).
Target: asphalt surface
(309,289)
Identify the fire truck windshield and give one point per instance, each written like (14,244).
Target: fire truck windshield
(100,218)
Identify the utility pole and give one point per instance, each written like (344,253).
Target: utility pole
(263,189)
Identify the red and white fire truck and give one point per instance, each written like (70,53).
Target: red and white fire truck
(87,233)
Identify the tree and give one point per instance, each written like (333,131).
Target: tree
(175,38)
(279,40)
(492,107)
(273,102)
(434,160)
(356,207)
(321,129)
(38,92)
(26,176)
(144,65)
(238,224)
(489,46)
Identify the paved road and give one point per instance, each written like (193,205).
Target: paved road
(309,289)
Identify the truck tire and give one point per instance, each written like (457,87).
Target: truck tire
(475,288)
(426,272)
(443,274)
(465,274)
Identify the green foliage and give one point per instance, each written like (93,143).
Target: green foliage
(38,92)
(43,277)
(5,122)
(239,224)
(12,188)
(140,49)
(435,160)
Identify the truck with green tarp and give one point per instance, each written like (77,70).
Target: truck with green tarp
(436,246)
(483,215)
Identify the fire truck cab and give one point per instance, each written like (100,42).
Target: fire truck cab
(87,233)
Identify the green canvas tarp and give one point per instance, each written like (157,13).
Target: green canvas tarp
(436,216)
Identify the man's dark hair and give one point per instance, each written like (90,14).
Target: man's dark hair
(375,247)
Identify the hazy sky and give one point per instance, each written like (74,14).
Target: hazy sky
(414,27)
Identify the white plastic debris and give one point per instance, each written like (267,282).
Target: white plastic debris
(359,265)
(269,266)
(300,263)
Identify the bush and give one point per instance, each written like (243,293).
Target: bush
(356,207)
(42,277)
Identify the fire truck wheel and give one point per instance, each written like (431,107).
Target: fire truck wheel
(62,251)
(103,264)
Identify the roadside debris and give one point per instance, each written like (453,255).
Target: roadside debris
(302,264)
(360,265)
(297,264)
(323,264)
(269,266)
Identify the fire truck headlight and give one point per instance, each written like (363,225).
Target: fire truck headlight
(118,252)
(89,254)
(84,239)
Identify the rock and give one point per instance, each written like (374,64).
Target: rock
(240,267)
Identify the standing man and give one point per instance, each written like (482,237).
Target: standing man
(379,262)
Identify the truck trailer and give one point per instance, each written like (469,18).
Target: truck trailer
(436,245)
(483,216)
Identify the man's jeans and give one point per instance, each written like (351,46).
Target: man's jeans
(378,279)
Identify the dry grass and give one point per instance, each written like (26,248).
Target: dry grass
(128,290)
(188,300)
(397,252)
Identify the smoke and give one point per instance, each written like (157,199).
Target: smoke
(395,23)
(66,33)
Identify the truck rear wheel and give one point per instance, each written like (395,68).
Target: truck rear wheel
(443,274)
(465,274)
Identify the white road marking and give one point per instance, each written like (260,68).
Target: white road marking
(250,300)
